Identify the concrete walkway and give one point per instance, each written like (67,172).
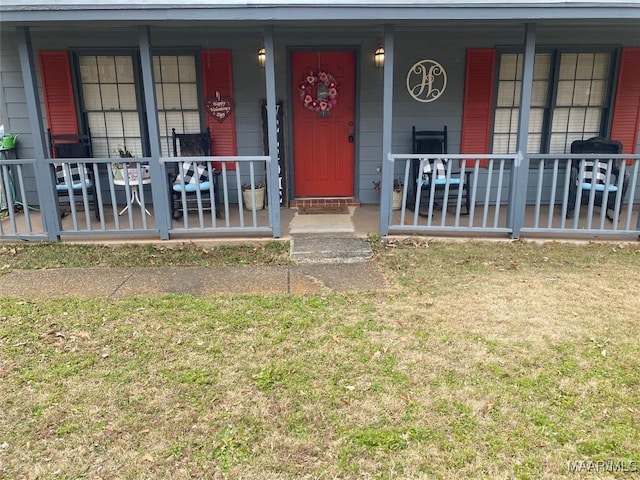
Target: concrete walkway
(199,281)
(327,256)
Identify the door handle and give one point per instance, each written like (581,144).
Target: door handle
(351,138)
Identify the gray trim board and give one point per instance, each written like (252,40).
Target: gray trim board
(32,12)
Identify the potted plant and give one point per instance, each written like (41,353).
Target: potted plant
(247,195)
(131,167)
(398,188)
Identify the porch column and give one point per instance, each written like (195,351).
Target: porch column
(45,183)
(272,167)
(520,174)
(159,189)
(387,127)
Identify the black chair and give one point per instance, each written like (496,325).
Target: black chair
(191,177)
(73,179)
(595,175)
(435,170)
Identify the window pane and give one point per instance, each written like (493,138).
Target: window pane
(124,69)
(584,67)
(564,95)
(127,96)
(113,121)
(542,67)
(568,66)
(576,120)
(171,93)
(134,145)
(501,144)
(91,97)
(592,121)
(508,66)
(189,95)
(159,96)
(558,143)
(162,124)
(560,119)
(100,147)
(534,143)
(174,120)
(106,69)
(169,69)
(601,66)
(88,69)
(131,124)
(581,92)
(508,93)
(109,94)
(96,123)
(187,68)
(506,120)
(192,122)
(166,147)
(598,92)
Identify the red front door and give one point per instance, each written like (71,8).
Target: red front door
(324,129)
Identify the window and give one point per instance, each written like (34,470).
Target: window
(569,100)
(110,102)
(177,97)
(581,99)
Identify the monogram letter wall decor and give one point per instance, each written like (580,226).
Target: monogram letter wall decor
(426,80)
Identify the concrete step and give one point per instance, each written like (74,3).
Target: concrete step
(329,248)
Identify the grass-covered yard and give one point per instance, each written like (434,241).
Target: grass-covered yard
(485,361)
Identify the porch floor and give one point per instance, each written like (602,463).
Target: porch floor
(363,220)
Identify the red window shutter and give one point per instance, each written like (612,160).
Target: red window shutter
(57,86)
(478,101)
(218,80)
(626,110)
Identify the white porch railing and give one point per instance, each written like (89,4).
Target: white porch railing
(124,205)
(431,208)
(553,201)
(562,206)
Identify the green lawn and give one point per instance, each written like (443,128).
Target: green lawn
(493,360)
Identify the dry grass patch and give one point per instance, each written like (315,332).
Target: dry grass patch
(502,360)
(61,255)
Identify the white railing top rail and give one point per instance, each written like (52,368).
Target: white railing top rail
(454,156)
(586,156)
(218,158)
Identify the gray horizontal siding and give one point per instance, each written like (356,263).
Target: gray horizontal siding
(445,45)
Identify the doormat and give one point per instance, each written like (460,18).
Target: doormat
(323,209)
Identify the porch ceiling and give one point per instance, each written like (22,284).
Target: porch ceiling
(259,12)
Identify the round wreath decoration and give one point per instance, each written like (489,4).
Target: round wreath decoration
(319,91)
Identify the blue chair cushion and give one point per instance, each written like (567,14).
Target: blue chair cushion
(442,181)
(599,187)
(75,186)
(191,187)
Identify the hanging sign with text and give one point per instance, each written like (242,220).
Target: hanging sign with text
(219,107)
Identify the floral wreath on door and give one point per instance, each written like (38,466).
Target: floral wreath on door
(319,91)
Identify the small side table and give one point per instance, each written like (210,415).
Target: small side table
(136,185)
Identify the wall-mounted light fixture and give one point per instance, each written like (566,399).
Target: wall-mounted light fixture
(378,57)
(262,57)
